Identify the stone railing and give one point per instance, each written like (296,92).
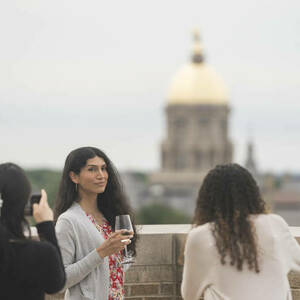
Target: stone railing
(157,273)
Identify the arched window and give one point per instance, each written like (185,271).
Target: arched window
(178,126)
(224,125)
(203,122)
(212,157)
(198,159)
(180,161)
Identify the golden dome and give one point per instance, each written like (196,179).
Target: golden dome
(196,82)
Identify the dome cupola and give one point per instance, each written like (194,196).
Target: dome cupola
(196,82)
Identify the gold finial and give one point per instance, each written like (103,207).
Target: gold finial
(196,34)
(197,56)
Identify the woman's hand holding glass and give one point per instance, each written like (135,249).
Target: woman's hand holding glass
(123,222)
(115,243)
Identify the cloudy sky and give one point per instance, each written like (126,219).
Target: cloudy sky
(75,73)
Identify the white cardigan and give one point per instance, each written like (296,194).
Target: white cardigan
(203,273)
(87,273)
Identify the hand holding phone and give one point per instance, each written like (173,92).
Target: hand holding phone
(35,198)
(41,211)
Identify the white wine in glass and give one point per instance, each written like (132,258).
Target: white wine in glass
(124,222)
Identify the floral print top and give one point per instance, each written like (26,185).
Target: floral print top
(116,287)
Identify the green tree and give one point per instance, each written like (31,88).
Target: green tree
(161,214)
(46,179)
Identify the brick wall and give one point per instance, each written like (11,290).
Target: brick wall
(157,272)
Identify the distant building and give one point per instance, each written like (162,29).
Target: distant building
(197,136)
(137,188)
(284,195)
(280,192)
(250,163)
(197,139)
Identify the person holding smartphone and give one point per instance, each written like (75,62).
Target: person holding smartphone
(89,199)
(28,268)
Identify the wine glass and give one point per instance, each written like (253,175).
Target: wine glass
(124,222)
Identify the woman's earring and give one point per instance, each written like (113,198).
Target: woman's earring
(76,187)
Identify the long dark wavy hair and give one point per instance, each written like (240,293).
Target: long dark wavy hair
(15,189)
(112,202)
(227,197)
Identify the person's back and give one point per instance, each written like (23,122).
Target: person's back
(236,249)
(278,254)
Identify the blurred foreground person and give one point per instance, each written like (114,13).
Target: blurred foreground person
(89,200)
(28,268)
(236,249)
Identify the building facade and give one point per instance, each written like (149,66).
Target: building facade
(197,114)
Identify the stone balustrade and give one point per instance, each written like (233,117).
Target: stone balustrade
(157,273)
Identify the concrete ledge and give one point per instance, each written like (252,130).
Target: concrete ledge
(149,273)
(158,254)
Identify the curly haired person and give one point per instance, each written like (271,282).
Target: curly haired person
(237,250)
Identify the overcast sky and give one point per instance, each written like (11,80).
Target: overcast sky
(76,73)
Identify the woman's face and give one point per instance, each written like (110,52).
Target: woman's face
(92,177)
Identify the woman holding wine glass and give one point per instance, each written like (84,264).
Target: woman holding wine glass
(90,198)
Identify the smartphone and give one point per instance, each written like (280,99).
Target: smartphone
(126,233)
(35,198)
